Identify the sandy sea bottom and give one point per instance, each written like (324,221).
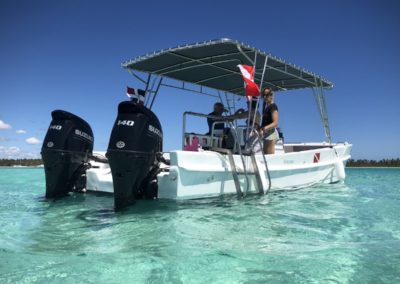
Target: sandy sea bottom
(342,233)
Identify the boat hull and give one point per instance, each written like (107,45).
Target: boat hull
(205,174)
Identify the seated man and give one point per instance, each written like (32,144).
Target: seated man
(218,111)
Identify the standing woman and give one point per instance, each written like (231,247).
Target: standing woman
(269,121)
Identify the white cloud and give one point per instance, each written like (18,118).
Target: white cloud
(4,125)
(20,131)
(16,153)
(14,150)
(33,141)
(10,152)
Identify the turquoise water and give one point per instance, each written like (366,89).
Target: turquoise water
(327,234)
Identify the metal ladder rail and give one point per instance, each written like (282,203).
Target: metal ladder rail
(236,174)
(232,162)
(232,126)
(257,174)
(254,164)
(233,168)
(255,167)
(258,178)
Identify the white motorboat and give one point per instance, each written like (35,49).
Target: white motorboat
(205,166)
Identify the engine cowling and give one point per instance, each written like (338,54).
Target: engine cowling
(66,149)
(135,140)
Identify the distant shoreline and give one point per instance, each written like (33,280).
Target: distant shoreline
(347,167)
(361,163)
(372,167)
(20,163)
(364,163)
(23,167)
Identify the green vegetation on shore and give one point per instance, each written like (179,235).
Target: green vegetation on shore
(20,162)
(350,163)
(372,163)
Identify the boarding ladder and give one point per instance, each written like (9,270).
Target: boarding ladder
(246,173)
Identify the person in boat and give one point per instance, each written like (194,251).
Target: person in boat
(255,117)
(269,121)
(242,114)
(219,109)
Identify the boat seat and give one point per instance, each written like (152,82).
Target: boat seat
(194,141)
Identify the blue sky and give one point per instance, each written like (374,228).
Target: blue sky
(67,55)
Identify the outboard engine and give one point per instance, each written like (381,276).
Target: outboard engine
(65,152)
(135,144)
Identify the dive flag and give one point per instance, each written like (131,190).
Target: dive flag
(252,90)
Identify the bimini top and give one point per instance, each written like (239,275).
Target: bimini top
(213,64)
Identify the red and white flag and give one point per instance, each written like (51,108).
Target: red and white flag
(136,95)
(252,90)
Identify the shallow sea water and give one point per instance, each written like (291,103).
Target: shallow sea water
(342,233)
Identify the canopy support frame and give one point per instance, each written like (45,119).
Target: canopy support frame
(250,102)
(156,92)
(319,95)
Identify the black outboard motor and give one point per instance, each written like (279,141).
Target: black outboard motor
(65,152)
(135,142)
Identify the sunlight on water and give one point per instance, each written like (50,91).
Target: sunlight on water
(325,234)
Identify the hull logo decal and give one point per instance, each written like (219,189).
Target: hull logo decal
(120,144)
(317,157)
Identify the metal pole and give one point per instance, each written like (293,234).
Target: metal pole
(326,120)
(183,130)
(219,96)
(234,108)
(262,76)
(261,85)
(146,88)
(150,91)
(255,63)
(156,92)
(241,154)
(251,102)
(244,54)
(227,103)
(136,76)
(321,104)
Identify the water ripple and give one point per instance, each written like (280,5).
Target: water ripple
(329,233)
